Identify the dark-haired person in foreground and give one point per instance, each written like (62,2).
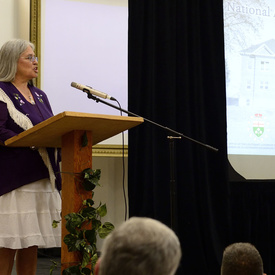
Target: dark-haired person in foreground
(241,259)
(140,246)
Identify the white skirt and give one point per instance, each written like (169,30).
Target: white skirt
(26,216)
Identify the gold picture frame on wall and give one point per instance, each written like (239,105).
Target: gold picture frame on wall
(100,150)
(35,33)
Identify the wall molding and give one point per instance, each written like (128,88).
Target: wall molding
(106,150)
(35,34)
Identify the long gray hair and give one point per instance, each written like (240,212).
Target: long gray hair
(9,55)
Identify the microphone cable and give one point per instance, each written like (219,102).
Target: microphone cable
(123,170)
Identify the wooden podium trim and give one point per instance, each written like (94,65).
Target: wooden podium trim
(49,132)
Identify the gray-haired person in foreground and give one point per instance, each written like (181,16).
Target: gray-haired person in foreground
(241,259)
(140,246)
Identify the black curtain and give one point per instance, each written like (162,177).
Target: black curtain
(177,79)
(252,208)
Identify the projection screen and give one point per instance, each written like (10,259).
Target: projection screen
(250,86)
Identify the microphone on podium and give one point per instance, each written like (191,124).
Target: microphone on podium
(92,91)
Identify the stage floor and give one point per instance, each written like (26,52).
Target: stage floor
(44,262)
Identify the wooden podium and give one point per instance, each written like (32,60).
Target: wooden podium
(65,131)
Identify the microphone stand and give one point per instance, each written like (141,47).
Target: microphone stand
(173,200)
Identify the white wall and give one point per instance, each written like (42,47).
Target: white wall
(7,21)
(14,19)
(111,189)
(84,42)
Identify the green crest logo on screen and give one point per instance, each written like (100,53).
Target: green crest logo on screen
(258,125)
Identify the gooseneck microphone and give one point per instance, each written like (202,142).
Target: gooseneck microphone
(92,91)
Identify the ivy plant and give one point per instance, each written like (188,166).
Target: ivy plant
(85,226)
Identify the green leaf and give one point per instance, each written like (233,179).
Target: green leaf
(102,210)
(86,172)
(86,271)
(105,229)
(90,178)
(90,202)
(85,259)
(88,185)
(93,175)
(53,266)
(97,174)
(96,223)
(74,218)
(70,241)
(80,244)
(90,235)
(84,140)
(73,221)
(72,270)
(88,212)
(88,248)
(55,223)
(94,260)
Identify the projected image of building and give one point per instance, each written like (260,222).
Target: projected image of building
(258,71)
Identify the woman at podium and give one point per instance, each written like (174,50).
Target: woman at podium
(29,177)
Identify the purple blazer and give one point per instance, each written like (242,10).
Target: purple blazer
(22,165)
